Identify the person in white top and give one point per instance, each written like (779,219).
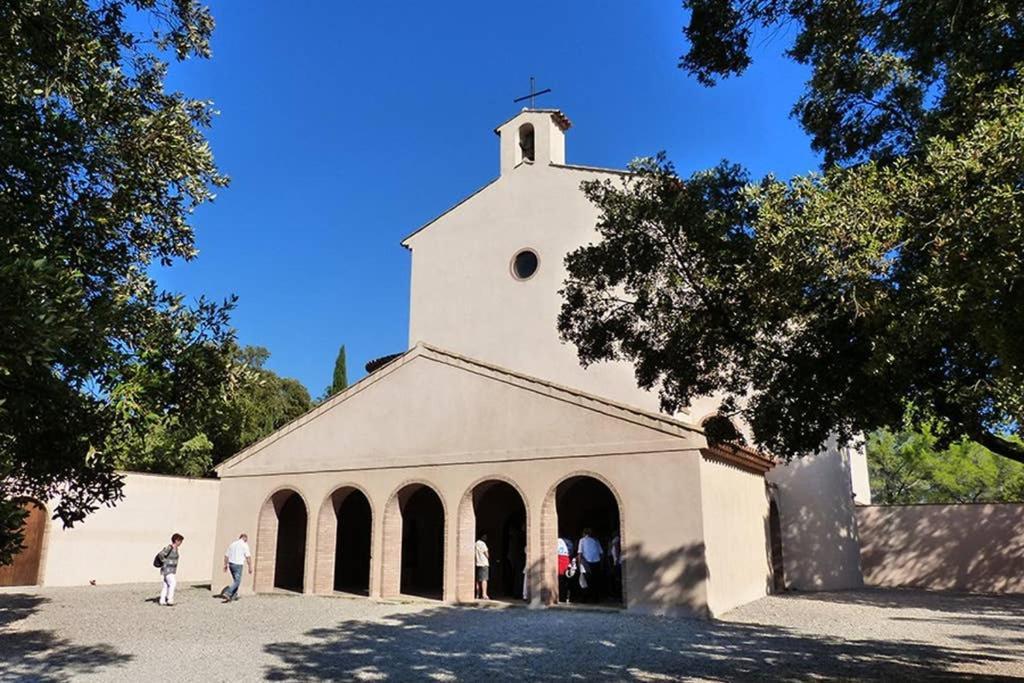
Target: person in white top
(589,556)
(483,567)
(236,554)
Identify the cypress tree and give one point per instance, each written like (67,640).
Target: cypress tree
(340,380)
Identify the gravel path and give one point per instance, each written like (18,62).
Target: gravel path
(117,633)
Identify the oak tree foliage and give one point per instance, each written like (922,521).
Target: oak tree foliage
(100,170)
(834,303)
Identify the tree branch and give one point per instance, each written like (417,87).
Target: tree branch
(1000,446)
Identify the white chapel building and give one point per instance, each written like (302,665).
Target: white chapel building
(488,424)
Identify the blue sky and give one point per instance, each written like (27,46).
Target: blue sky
(345,126)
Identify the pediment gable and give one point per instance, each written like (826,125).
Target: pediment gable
(432,407)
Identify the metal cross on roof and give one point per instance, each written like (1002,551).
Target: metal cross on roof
(534,93)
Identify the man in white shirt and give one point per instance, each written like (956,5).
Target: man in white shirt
(589,557)
(483,567)
(237,554)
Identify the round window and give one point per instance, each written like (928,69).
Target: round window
(524,264)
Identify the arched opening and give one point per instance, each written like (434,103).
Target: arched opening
(281,543)
(344,531)
(352,543)
(290,560)
(24,569)
(414,543)
(585,504)
(496,509)
(527,151)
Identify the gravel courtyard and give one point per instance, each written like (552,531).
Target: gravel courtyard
(119,633)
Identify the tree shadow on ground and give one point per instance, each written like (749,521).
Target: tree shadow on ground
(39,655)
(445,643)
(999,607)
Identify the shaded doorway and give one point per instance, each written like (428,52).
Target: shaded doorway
(775,539)
(280,554)
(422,556)
(495,508)
(352,543)
(581,503)
(24,569)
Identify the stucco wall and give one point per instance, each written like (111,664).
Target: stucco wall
(735,515)
(463,296)
(117,545)
(452,423)
(662,536)
(975,548)
(819,531)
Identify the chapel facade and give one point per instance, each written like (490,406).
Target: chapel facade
(488,424)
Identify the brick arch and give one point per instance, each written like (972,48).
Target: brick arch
(391,550)
(266,536)
(327,534)
(466,527)
(549,536)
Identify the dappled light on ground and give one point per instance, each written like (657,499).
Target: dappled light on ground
(117,633)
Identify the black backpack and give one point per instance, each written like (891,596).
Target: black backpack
(158,561)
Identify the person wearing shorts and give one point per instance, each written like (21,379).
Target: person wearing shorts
(483,567)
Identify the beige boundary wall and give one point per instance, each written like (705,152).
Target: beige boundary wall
(117,545)
(975,548)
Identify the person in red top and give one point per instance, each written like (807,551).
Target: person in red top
(564,560)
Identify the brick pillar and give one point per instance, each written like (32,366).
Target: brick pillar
(324,548)
(391,550)
(465,580)
(376,546)
(266,548)
(308,553)
(544,581)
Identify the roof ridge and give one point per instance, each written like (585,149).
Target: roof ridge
(600,169)
(423,348)
(446,212)
(675,422)
(330,402)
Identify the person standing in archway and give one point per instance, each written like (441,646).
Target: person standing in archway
(168,559)
(615,566)
(589,556)
(565,577)
(483,567)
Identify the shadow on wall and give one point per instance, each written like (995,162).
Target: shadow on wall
(976,548)
(669,583)
(672,583)
(42,655)
(454,643)
(820,547)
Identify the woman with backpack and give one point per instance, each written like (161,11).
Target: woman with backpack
(167,560)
